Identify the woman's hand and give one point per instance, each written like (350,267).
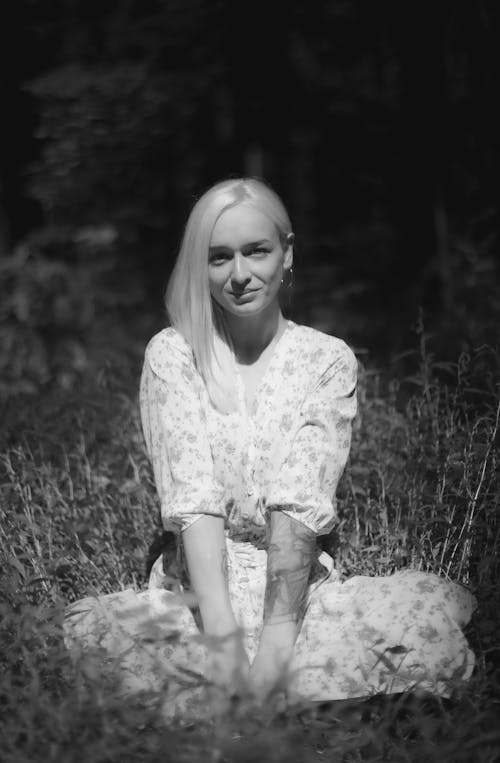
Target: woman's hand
(264,676)
(268,671)
(228,662)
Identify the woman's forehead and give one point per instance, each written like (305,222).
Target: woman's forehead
(241,224)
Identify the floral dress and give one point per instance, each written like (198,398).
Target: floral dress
(357,638)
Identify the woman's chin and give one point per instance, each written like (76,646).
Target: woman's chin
(252,305)
(245,308)
(249,306)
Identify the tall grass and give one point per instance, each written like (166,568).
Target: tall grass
(79,511)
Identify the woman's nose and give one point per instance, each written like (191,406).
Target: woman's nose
(240,269)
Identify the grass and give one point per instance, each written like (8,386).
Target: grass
(79,512)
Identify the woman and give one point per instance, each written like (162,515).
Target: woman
(247,421)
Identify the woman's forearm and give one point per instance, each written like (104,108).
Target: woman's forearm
(289,557)
(290,553)
(206,556)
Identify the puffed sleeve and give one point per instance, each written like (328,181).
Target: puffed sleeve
(314,460)
(175,432)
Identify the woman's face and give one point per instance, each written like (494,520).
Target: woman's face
(246,261)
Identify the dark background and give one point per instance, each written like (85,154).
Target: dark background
(377,123)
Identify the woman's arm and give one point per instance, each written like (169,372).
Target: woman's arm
(301,504)
(289,557)
(206,557)
(174,424)
(175,431)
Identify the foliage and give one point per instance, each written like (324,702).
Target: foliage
(394,206)
(104,132)
(473,314)
(60,292)
(81,510)
(421,489)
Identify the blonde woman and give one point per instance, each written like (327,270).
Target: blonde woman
(247,421)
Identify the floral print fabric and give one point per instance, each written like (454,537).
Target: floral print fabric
(366,636)
(357,638)
(289,452)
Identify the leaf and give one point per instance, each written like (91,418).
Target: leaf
(399,649)
(14,562)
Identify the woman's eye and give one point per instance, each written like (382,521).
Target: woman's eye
(218,259)
(260,250)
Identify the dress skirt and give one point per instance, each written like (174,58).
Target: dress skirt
(358,638)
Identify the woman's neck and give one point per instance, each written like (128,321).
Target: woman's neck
(252,334)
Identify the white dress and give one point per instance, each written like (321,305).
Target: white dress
(359,637)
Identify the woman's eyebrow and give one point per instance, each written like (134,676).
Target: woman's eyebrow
(220,247)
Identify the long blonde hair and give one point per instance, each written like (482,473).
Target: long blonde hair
(190,307)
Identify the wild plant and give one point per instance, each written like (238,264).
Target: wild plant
(79,511)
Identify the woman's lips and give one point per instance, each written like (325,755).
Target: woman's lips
(243,293)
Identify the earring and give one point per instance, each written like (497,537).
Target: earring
(290,281)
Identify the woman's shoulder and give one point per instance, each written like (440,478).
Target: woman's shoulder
(167,349)
(318,344)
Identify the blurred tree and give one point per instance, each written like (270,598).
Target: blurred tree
(18,54)
(377,122)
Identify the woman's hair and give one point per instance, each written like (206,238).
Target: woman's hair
(190,307)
